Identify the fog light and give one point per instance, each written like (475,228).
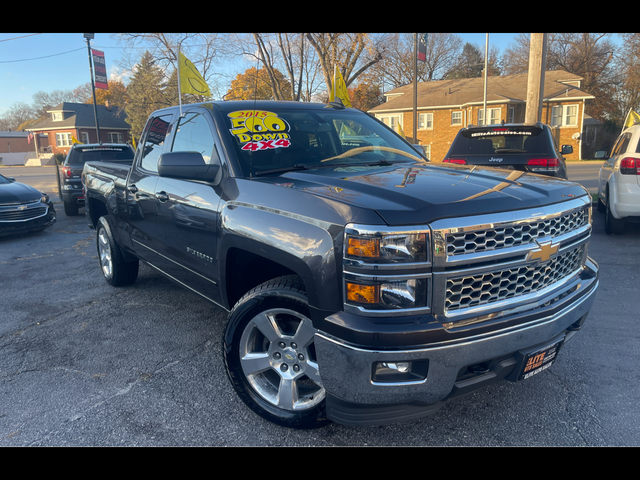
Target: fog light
(384,368)
(400,372)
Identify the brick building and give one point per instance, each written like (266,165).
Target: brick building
(16,147)
(77,120)
(445,106)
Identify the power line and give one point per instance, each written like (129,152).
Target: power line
(23,36)
(38,58)
(56,54)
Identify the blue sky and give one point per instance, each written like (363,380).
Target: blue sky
(59,61)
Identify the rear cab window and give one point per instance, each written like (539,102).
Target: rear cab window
(496,140)
(105,153)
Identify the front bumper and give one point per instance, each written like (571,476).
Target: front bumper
(26,218)
(476,358)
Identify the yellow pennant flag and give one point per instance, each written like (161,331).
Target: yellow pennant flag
(75,140)
(632,118)
(190,79)
(339,89)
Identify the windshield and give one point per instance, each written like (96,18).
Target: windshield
(279,140)
(490,140)
(80,155)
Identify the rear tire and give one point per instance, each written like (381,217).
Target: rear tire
(70,209)
(116,271)
(612,225)
(270,358)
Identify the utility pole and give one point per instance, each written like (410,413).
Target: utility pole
(535,87)
(415,88)
(88,37)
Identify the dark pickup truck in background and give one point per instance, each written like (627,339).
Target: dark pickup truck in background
(70,173)
(364,284)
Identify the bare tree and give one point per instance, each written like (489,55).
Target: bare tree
(289,53)
(590,55)
(18,114)
(353,53)
(627,92)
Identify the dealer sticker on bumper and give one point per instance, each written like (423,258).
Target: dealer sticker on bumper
(539,360)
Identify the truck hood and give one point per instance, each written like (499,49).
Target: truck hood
(16,193)
(421,193)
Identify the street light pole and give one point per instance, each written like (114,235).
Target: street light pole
(88,37)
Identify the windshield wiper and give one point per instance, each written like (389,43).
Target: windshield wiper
(510,150)
(290,168)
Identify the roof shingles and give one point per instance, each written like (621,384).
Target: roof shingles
(467,91)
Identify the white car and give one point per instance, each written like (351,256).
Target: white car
(619,181)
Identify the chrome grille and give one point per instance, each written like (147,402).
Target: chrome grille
(520,233)
(16,215)
(485,288)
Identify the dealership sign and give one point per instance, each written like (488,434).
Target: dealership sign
(100,69)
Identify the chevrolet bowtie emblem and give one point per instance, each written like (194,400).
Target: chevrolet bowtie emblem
(543,254)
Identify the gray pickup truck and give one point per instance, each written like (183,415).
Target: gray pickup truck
(364,284)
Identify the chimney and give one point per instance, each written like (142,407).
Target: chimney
(106,104)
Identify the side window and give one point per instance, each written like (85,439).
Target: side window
(194,135)
(158,130)
(620,145)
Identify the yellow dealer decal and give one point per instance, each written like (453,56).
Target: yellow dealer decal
(259,130)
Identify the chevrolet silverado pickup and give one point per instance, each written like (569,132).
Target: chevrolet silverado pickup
(363,284)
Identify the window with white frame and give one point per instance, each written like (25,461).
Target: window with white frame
(427,150)
(456,118)
(425,121)
(564,116)
(392,121)
(63,139)
(115,137)
(494,116)
(84,137)
(512,115)
(56,116)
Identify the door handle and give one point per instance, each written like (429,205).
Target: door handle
(162,196)
(132,188)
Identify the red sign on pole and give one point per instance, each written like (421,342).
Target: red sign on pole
(100,69)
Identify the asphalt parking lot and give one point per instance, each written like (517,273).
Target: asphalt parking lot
(85,364)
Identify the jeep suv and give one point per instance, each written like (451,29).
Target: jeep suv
(525,147)
(70,175)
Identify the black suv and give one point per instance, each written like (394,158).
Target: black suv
(517,146)
(70,174)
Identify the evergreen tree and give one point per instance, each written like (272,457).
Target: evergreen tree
(146,93)
(470,64)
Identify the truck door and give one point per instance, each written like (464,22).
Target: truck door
(188,211)
(145,229)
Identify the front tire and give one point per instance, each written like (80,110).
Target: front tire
(116,271)
(270,356)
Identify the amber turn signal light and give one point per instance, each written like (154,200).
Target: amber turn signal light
(363,293)
(363,247)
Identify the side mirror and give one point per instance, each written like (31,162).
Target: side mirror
(601,154)
(186,165)
(567,149)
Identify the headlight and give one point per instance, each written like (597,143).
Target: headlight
(44,198)
(380,293)
(386,269)
(375,245)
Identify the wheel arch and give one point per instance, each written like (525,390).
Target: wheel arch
(257,246)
